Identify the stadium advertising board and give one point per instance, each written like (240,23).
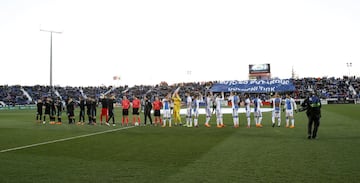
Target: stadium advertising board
(254,86)
(259,68)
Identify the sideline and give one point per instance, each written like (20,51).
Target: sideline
(64,139)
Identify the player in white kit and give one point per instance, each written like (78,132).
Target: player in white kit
(196,102)
(234,99)
(166,109)
(188,109)
(257,111)
(289,107)
(276,113)
(208,103)
(219,117)
(247,109)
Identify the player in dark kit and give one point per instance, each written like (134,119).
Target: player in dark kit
(70,111)
(59,109)
(88,110)
(39,112)
(82,111)
(52,112)
(104,110)
(47,109)
(111,103)
(93,110)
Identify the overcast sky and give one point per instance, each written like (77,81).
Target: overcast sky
(149,41)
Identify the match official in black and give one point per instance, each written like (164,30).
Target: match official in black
(147,110)
(111,102)
(312,105)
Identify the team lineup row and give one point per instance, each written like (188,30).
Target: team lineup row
(169,107)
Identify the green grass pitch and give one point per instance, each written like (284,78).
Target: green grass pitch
(179,154)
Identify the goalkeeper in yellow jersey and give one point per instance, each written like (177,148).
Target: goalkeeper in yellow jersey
(177,105)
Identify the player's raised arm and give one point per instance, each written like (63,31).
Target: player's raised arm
(176,91)
(201,97)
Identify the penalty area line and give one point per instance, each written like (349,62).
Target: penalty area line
(62,140)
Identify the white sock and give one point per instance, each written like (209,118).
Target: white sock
(293,122)
(248,120)
(279,121)
(195,122)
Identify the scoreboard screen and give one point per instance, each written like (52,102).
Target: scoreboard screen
(259,68)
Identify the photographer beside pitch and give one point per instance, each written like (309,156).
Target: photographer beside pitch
(312,105)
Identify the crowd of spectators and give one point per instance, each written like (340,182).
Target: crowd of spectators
(327,88)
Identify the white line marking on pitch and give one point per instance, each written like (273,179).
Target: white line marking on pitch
(62,140)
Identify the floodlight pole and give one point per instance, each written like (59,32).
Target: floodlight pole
(51,32)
